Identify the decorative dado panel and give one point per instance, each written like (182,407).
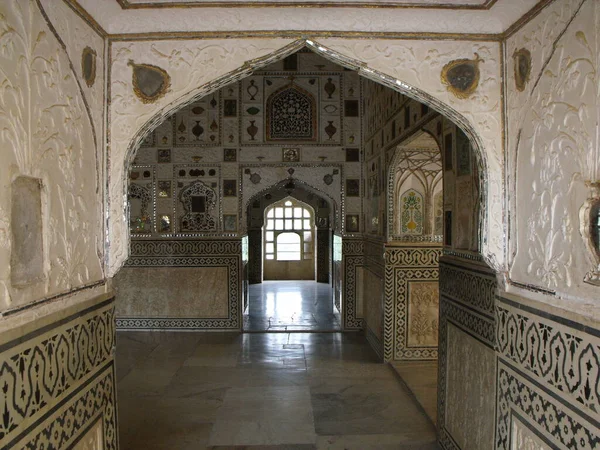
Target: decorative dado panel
(185,248)
(184,253)
(549,376)
(408,315)
(468,307)
(352,259)
(58,380)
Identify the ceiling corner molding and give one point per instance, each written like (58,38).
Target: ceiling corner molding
(526,18)
(407,4)
(87,17)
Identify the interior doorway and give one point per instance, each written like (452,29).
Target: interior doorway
(290,261)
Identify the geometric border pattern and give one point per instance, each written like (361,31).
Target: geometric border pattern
(58,379)
(544,414)
(467,299)
(403,265)
(187,253)
(352,259)
(548,375)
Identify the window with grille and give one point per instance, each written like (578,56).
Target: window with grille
(289,234)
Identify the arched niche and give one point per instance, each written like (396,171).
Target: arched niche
(215,63)
(414,180)
(325,217)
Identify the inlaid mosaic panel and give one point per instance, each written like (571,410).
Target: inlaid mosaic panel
(411,303)
(352,259)
(226,253)
(548,375)
(58,380)
(467,298)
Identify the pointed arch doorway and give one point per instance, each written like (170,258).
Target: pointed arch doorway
(291,285)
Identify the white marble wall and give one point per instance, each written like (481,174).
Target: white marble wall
(553,151)
(52,131)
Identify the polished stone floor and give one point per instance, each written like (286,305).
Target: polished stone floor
(262,391)
(421,378)
(291,306)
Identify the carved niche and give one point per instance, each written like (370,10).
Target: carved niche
(199,202)
(291,115)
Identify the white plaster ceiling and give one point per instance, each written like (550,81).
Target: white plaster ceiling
(434,16)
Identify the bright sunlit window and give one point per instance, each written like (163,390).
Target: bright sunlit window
(288,232)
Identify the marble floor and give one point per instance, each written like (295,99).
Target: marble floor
(291,306)
(420,377)
(185,391)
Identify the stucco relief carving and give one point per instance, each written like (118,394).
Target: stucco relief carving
(54,142)
(193,64)
(480,113)
(556,149)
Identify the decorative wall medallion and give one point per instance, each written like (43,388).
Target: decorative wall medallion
(253,110)
(522,61)
(164,188)
(352,155)
(198,110)
(351,108)
(255,178)
(229,155)
(590,231)
(252,130)
(352,223)
(229,188)
(329,88)
(330,129)
(140,221)
(252,90)
(328,179)
(199,202)
(164,223)
(88,66)
(149,82)
(461,76)
(164,155)
(330,109)
(229,108)
(291,154)
(197,130)
(353,188)
(230,222)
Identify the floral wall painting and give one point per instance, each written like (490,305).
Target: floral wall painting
(149,82)
(412,212)
(461,76)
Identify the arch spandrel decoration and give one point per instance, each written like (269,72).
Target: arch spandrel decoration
(479,116)
(291,115)
(199,201)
